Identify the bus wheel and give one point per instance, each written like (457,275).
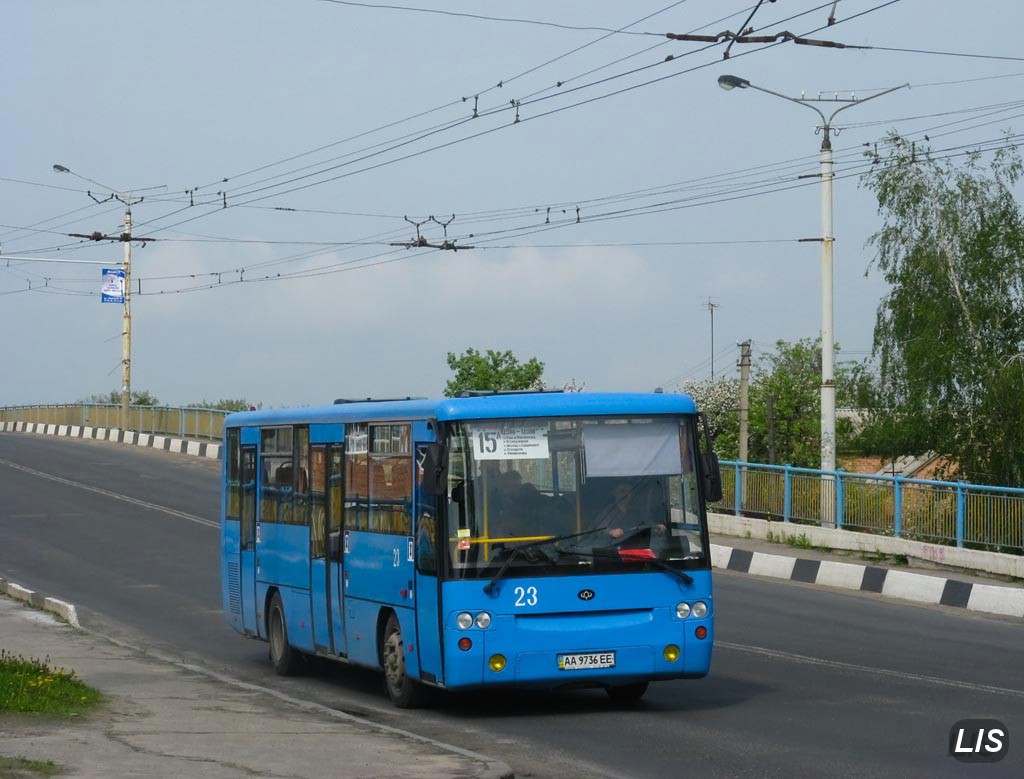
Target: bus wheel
(404,692)
(627,693)
(286,660)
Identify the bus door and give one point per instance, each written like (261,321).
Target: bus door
(428,544)
(335,548)
(325,548)
(247,539)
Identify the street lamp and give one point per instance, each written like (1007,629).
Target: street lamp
(828,386)
(126,331)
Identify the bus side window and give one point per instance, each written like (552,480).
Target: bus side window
(426,522)
(426,541)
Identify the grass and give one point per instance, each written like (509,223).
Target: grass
(799,542)
(20,767)
(881,557)
(31,685)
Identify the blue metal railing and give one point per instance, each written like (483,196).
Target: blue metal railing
(945,512)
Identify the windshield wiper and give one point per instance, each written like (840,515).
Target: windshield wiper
(516,551)
(657,563)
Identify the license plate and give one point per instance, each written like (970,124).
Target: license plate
(582,662)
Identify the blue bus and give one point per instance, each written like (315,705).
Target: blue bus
(497,539)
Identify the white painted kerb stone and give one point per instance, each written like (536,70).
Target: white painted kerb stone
(997,600)
(62,609)
(18,592)
(772,565)
(845,575)
(913,586)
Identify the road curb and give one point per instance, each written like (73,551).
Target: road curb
(889,583)
(59,608)
(492,769)
(187,446)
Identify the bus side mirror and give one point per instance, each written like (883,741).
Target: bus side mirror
(433,469)
(712,475)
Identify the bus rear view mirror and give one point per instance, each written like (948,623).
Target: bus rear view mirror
(712,477)
(433,469)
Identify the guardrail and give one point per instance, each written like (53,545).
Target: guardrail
(206,423)
(946,512)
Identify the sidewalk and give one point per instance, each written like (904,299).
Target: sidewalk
(160,720)
(885,575)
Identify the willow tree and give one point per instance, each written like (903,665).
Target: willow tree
(949,334)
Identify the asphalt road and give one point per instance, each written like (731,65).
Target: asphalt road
(806,681)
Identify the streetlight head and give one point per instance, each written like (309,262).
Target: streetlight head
(731,82)
(61,169)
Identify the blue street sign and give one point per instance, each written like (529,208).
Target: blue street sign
(112,290)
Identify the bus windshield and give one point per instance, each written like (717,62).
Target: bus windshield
(577,495)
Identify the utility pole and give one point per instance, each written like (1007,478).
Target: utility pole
(825,175)
(125,238)
(770,400)
(126,337)
(744,398)
(710,308)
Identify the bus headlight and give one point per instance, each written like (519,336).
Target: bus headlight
(483,620)
(496,663)
(671,653)
(464,620)
(700,609)
(683,610)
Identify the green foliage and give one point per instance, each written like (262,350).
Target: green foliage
(19,767)
(492,371)
(791,377)
(225,404)
(31,685)
(949,335)
(113,398)
(801,541)
(719,399)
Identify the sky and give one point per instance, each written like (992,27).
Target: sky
(308,130)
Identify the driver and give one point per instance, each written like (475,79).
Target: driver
(623,512)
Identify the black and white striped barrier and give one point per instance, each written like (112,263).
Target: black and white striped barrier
(166,443)
(922,588)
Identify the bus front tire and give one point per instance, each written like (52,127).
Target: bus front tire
(404,692)
(627,693)
(286,660)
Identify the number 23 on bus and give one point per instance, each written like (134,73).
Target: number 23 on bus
(534,540)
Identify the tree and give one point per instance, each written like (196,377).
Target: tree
(949,334)
(492,371)
(791,378)
(113,398)
(225,404)
(788,382)
(719,399)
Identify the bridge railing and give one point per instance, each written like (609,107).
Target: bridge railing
(945,512)
(205,423)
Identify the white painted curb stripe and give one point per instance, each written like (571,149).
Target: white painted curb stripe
(772,565)
(845,575)
(912,586)
(720,556)
(997,600)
